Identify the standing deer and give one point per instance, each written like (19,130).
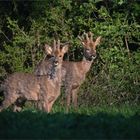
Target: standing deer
(74,73)
(44,89)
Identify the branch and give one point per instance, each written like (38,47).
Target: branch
(5,36)
(126,42)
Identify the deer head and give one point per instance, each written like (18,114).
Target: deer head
(89,45)
(55,54)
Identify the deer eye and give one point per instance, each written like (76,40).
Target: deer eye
(49,56)
(53,56)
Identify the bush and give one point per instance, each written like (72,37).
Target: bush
(114,77)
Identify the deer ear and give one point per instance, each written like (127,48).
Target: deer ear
(48,49)
(97,42)
(65,48)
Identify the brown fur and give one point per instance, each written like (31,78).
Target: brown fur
(43,89)
(74,73)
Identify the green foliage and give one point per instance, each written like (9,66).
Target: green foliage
(117,81)
(114,78)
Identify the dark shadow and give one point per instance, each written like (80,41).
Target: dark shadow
(1,97)
(39,125)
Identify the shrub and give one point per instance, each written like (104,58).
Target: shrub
(114,77)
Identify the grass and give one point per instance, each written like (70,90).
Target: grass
(84,123)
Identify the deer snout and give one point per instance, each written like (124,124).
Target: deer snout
(55,62)
(94,56)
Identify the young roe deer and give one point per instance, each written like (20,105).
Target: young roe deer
(44,89)
(74,73)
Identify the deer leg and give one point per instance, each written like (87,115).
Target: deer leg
(43,106)
(68,98)
(50,106)
(9,100)
(46,107)
(74,97)
(17,108)
(39,105)
(20,102)
(51,101)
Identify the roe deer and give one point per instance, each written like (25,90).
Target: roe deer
(74,73)
(44,89)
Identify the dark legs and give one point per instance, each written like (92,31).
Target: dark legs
(9,100)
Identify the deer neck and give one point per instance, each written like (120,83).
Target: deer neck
(55,73)
(86,64)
